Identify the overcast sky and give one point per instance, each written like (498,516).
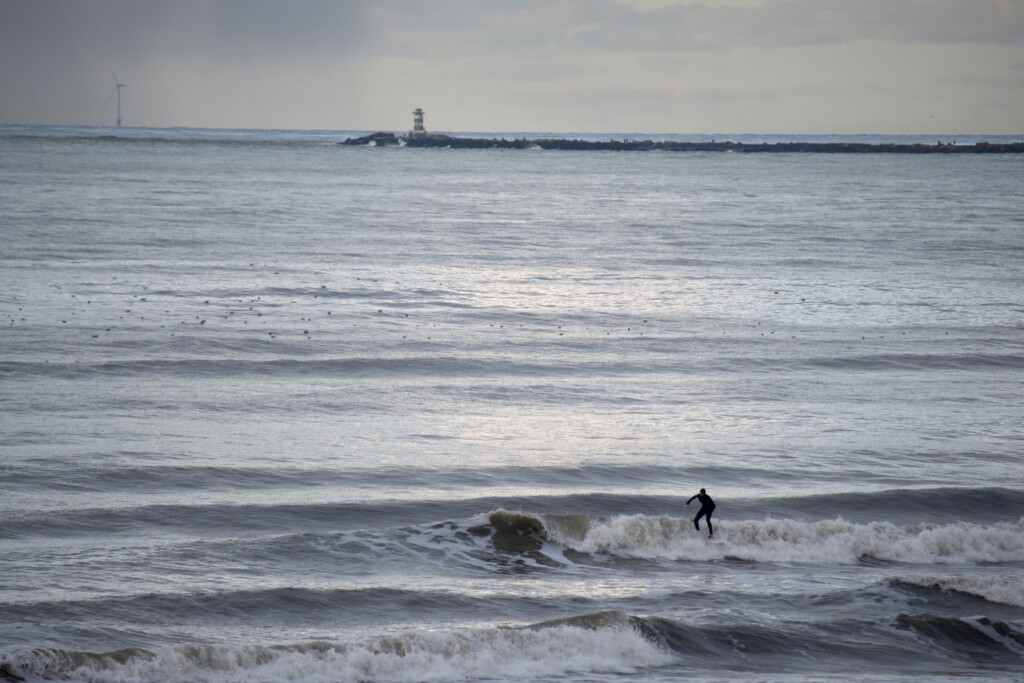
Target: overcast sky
(612,66)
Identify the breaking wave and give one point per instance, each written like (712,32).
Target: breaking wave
(991,588)
(601,642)
(977,637)
(609,642)
(784,541)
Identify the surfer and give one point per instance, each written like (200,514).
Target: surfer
(707,506)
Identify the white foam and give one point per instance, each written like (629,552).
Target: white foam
(407,658)
(825,542)
(1005,590)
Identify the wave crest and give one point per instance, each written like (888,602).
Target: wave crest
(787,541)
(991,588)
(592,643)
(980,635)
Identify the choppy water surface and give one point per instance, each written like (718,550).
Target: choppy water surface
(278,410)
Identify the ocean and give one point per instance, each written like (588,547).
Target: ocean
(277,410)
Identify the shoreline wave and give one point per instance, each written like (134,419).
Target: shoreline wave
(591,643)
(605,642)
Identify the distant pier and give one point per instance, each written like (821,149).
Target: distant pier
(453,142)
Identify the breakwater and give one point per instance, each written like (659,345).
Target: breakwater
(627,145)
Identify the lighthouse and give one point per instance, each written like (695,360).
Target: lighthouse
(418,130)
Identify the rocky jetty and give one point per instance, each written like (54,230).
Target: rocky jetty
(375,140)
(453,142)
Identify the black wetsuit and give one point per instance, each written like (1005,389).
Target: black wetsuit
(707,506)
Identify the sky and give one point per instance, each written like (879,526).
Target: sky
(561,66)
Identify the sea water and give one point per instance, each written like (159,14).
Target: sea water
(273,409)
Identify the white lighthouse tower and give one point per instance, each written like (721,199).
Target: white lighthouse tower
(418,131)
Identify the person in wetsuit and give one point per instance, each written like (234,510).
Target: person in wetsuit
(707,506)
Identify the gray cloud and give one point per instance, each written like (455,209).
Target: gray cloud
(607,24)
(266,29)
(334,63)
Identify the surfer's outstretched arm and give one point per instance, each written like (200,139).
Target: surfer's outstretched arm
(691,499)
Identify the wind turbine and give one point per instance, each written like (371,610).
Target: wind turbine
(117,90)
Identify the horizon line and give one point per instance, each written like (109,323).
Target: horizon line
(504,132)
